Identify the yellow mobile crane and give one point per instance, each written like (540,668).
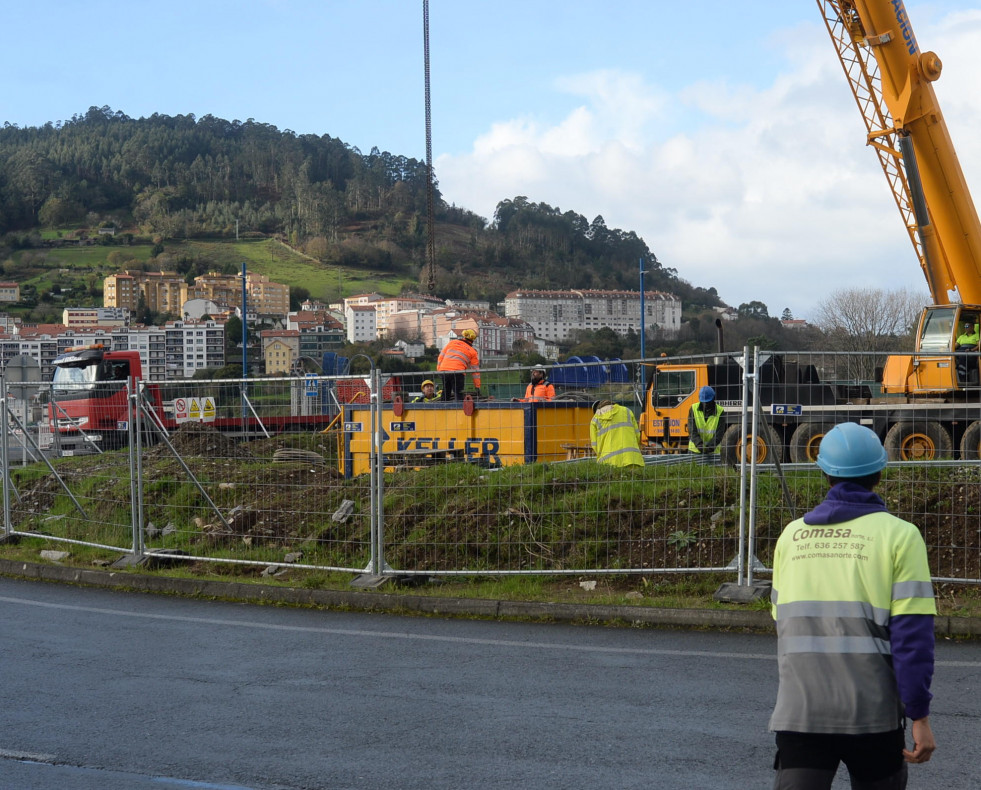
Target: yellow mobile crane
(930,406)
(892,81)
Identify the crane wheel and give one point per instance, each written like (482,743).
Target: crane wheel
(735,445)
(806,440)
(921,441)
(971,442)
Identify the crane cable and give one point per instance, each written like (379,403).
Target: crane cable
(430,191)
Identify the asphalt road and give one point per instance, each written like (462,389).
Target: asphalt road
(116,691)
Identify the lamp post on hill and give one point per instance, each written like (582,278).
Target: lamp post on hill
(642,319)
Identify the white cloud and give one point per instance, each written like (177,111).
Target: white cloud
(765,193)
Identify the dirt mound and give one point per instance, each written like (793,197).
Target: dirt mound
(201,439)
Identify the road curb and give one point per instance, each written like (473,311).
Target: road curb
(373,601)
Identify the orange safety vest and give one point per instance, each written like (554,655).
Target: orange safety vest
(541,391)
(459,355)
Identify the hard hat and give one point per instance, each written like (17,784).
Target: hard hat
(427,381)
(706,394)
(539,367)
(469,334)
(851,450)
(597,405)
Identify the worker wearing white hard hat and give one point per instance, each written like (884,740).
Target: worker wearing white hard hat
(539,388)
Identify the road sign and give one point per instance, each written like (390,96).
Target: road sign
(311,385)
(23,376)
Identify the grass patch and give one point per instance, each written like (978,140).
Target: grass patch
(535,520)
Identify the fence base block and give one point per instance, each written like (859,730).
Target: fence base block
(367,581)
(730,592)
(150,559)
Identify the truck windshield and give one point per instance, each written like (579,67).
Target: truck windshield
(75,379)
(671,387)
(938,329)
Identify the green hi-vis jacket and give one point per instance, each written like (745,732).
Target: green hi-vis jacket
(615,436)
(703,430)
(835,589)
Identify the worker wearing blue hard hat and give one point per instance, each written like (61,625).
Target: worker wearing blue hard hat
(704,420)
(854,608)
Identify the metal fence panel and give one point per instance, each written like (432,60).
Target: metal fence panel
(67,500)
(536,500)
(351,472)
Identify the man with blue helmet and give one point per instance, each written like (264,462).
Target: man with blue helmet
(703,426)
(854,608)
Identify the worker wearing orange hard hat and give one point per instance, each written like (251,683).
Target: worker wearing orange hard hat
(457,357)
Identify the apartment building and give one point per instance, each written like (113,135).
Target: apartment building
(9,292)
(163,292)
(87,317)
(166,292)
(360,323)
(280,349)
(44,342)
(556,315)
(192,346)
(121,290)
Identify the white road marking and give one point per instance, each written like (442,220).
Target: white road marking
(422,637)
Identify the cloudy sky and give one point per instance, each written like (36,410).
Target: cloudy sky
(723,133)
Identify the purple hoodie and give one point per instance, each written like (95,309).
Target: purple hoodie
(910,635)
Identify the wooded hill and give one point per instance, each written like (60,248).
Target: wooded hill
(181,177)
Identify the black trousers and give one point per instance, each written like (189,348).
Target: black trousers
(453,384)
(809,761)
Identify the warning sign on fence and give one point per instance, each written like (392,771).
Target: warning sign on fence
(194,410)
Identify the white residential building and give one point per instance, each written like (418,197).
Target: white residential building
(174,351)
(556,315)
(86,317)
(360,323)
(192,346)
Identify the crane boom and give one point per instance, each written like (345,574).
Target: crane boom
(891,80)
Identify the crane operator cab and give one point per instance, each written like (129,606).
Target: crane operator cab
(954,328)
(966,340)
(947,356)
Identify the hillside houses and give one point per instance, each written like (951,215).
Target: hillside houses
(409,323)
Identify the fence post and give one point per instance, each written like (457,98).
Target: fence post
(742,470)
(133,441)
(379,406)
(745,591)
(5,459)
(749,555)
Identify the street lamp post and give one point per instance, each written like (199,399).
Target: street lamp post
(642,317)
(245,344)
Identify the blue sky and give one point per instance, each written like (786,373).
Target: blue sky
(723,133)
